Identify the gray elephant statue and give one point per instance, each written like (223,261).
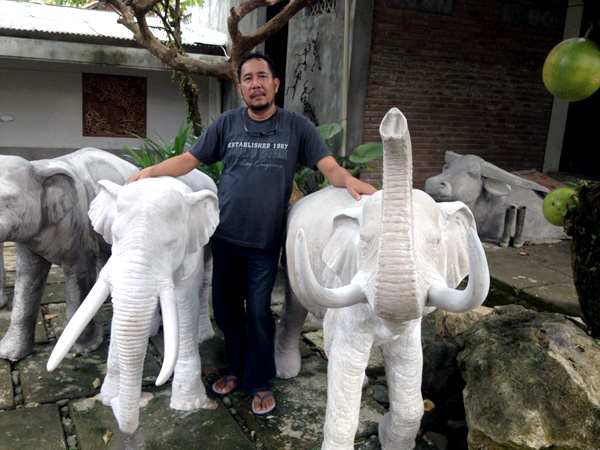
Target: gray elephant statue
(487,190)
(159,229)
(43,209)
(372,269)
(3,297)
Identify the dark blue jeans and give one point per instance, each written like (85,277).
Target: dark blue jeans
(242,273)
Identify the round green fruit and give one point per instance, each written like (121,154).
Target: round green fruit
(558,203)
(572,69)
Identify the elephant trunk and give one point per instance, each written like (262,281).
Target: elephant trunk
(396,246)
(132,316)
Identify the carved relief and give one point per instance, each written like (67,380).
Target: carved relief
(114,105)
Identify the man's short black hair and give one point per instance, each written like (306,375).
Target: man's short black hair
(257,55)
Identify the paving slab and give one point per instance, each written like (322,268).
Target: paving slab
(160,427)
(56,313)
(32,428)
(539,275)
(74,377)
(297,422)
(6,385)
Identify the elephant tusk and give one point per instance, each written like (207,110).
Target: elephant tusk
(341,297)
(84,314)
(477,288)
(168,306)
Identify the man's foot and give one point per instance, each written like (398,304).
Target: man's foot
(225,384)
(263,403)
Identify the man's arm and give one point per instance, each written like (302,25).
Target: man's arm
(340,177)
(174,167)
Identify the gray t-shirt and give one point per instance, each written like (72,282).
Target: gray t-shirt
(256,183)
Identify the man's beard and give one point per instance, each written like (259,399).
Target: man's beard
(257,108)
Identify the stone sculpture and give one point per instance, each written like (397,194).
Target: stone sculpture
(488,191)
(159,229)
(373,268)
(43,209)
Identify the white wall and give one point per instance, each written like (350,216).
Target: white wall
(45,100)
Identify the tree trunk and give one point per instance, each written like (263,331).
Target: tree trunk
(189,91)
(584,227)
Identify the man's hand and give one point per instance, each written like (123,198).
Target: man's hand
(340,177)
(144,173)
(356,187)
(173,167)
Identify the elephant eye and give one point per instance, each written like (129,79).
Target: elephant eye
(446,166)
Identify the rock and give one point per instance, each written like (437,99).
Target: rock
(449,324)
(441,376)
(436,440)
(380,393)
(372,443)
(531,381)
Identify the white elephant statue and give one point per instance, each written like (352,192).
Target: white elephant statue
(44,210)
(159,229)
(372,269)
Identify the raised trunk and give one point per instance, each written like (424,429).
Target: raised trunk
(395,261)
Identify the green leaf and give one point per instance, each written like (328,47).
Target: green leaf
(367,152)
(329,130)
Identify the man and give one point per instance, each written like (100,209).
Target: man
(261,145)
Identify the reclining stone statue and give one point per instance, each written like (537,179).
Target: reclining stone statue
(490,192)
(372,269)
(43,209)
(159,229)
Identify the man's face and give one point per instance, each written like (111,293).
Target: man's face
(257,85)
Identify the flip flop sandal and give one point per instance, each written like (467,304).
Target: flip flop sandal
(226,379)
(262,398)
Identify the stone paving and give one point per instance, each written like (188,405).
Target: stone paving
(58,410)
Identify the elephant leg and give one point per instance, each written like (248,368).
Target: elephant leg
(350,346)
(31,274)
(110,385)
(205,328)
(403,367)
(78,284)
(188,391)
(287,351)
(3,298)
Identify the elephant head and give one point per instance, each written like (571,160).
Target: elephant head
(397,250)
(158,228)
(33,196)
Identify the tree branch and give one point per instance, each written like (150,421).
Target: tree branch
(133,16)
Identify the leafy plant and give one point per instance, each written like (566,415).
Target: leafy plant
(152,152)
(309,180)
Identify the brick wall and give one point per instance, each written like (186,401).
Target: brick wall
(466,76)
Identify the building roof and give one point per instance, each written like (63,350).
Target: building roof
(64,23)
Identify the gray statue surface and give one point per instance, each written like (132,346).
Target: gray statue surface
(372,269)
(43,209)
(488,190)
(159,229)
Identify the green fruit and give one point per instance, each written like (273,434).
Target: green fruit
(558,203)
(572,69)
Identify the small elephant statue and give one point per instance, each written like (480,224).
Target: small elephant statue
(372,269)
(43,209)
(159,229)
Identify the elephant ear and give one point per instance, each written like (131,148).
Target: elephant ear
(103,209)
(59,191)
(457,218)
(340,255)
(203,218)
